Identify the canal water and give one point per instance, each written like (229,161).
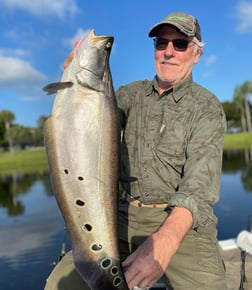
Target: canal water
(32,232)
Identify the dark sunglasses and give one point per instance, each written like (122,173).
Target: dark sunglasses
(178,44)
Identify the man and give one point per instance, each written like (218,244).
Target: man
(172,141)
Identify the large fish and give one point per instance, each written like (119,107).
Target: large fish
(82,145)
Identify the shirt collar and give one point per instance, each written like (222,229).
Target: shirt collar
(178,91)
(152,87)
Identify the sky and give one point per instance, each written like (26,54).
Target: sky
(36,36)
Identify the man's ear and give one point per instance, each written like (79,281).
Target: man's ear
(198,54)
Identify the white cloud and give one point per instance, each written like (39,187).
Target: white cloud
(80,33)
(25,238)
(18,74)
(41,8)
(210,60)
(207,74)
(13,52)
(244,16)
(16,69)
(33,230)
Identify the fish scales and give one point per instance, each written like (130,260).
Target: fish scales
(82,146)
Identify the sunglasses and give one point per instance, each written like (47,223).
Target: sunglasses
(178,44)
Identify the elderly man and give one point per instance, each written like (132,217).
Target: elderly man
(172,141)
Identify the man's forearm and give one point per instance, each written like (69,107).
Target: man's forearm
(176,226)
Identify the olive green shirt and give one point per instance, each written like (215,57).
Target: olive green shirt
(172,143)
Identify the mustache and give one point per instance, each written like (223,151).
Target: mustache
(167,61)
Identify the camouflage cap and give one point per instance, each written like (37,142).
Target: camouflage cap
(185,23)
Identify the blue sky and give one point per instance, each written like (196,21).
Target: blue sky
(37,35)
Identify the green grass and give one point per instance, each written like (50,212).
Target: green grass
(237,141)
(23,161)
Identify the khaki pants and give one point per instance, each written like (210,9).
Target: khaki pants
(197,264)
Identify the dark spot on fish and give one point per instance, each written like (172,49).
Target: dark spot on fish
(96,247)
(117,281)
(66,171)
(79,202)
(80,178)
(114,270)
(87,228)
(106,263)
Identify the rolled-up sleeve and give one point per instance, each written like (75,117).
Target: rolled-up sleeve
(199,186)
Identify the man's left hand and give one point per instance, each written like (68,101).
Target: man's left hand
(145,266)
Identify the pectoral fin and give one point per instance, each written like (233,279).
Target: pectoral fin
(53,88)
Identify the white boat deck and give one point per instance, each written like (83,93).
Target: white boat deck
(231,255)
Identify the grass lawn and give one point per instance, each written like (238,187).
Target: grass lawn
(237,141)
(23,161)
(35,159)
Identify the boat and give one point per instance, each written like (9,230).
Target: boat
(237,256)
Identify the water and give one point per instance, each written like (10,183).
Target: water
(32,230)
(234,209)
(31,235)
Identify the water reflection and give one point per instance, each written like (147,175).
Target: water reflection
(32,230)
(247,171)
(239,161)
(15,185)
(234,209)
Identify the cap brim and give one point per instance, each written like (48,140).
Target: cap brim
(155,29)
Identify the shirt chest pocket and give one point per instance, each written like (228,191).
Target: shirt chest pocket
(170,143)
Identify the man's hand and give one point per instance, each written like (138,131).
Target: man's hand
(145,266)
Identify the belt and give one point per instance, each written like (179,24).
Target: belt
(137,203)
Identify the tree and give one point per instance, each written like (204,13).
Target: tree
(40,130)
(232,114)
(41,121)
(22,136)
(241,98)
(2,133)
(7,117)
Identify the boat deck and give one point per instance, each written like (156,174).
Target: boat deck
(231,255)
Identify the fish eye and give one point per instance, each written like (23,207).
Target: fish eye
(109,44)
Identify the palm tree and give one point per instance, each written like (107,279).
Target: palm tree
(241,98)
(7,117)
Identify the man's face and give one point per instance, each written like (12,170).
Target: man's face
(174,61)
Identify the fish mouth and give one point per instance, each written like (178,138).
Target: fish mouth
(100,37)
(93,39)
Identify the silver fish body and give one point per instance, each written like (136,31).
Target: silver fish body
(82,145)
